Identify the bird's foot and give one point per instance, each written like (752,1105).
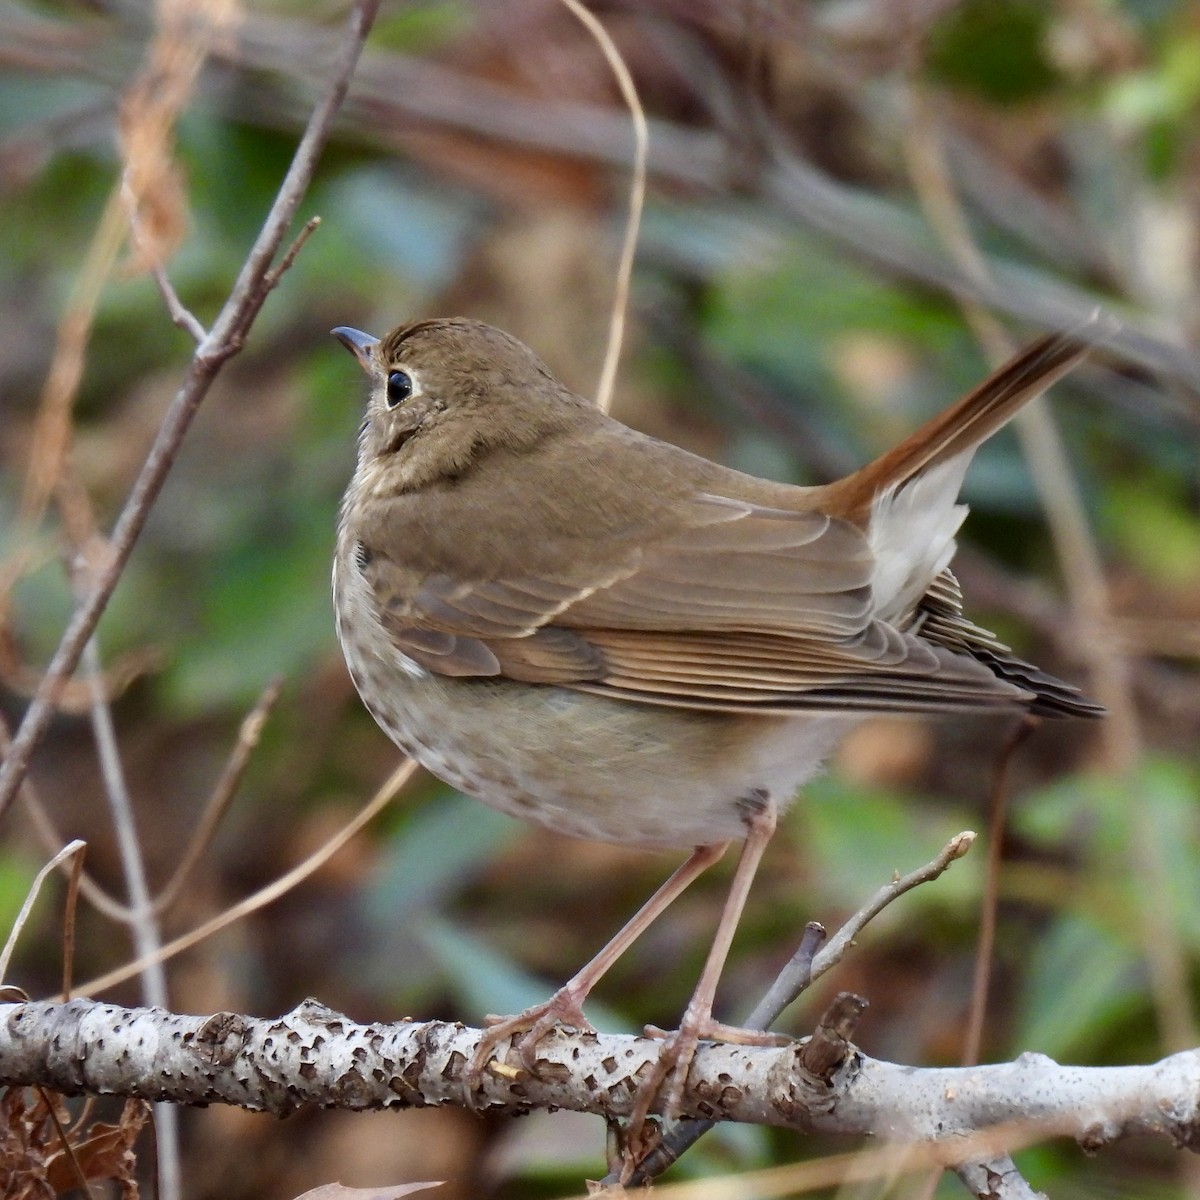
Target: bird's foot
(663,1088)
(527,1029)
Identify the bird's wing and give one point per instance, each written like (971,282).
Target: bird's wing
(746,608)
(941,661)
(707,563)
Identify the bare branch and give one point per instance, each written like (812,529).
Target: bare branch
(222,342)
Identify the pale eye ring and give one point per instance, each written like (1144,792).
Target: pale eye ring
(399,387)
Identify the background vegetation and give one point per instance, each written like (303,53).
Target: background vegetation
(795,309)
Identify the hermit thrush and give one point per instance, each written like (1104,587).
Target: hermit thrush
(594,630)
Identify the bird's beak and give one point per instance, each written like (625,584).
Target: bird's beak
(358,343)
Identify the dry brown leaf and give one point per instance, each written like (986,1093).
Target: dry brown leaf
(106,1152)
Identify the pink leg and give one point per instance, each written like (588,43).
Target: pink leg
(680,1048)
(565,1007)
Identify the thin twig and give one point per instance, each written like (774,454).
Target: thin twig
(266,895)
(833,953)
(637,200)
(791,981)
(223,793)
(997,818)
(142,924)
(182,316)
(276,273)
(70,909)
(68,1150)
(75,847)
(222,342)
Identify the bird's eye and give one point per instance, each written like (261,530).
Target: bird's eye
(399,388)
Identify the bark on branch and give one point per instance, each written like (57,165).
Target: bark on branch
(314,1056)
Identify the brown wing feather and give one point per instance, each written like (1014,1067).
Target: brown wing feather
(736,566)
(941,620)
(770,570)
(772,674)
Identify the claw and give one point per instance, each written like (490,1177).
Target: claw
(532,1026)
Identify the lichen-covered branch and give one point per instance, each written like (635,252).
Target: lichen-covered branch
(314,1056)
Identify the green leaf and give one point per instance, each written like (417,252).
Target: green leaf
(1079,979)
(17,871)
(995,49)
(439,848)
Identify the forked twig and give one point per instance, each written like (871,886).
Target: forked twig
(805,966)
(221,343)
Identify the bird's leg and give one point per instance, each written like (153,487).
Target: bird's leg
(679,1048)
(565,1007)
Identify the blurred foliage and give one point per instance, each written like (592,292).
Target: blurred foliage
(782,343)
(996,49)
